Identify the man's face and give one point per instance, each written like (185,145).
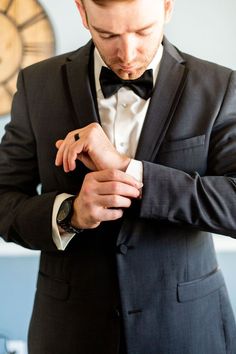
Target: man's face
(127,34)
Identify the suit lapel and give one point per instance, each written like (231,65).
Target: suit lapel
(169,87)
(77,72)
(168,90)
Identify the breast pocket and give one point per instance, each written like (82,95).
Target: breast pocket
(189,155)
(198,288)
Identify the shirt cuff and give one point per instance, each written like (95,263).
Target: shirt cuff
(61,240)
(135,169)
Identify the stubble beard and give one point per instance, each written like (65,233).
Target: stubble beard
(116,65)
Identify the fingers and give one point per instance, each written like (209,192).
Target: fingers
(111,175)
(103,196)
(117,188)
(72,154)
(114,201)
(110,215)
(67,152)
(94,145)
(59,155)
(69,165)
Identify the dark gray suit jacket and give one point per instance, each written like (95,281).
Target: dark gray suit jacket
(155,271)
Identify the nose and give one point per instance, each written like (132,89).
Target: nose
(127,49)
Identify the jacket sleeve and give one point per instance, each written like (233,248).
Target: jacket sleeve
(204,202)
(25,215)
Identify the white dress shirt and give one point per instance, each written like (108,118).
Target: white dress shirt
(122,116)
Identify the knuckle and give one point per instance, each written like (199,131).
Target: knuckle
(94,125)
(93,129)
(115,200)
(86,189)
(116,214)
(114,174)
(71,134)
(115,187)
(88,178)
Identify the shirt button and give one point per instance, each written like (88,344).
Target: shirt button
(124,105)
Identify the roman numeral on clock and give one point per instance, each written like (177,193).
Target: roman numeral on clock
(32,21)
(38,48)
(10,2)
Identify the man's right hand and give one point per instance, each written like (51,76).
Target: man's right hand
(102,197)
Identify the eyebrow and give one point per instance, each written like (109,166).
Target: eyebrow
(101,30)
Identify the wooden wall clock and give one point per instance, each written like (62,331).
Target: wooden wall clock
(26,36)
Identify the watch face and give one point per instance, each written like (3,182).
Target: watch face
(26,36)
(64,210)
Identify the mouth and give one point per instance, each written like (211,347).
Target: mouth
(127,68)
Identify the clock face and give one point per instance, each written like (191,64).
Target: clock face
(26,36)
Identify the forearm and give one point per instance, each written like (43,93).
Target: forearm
(207,203)
(27,221)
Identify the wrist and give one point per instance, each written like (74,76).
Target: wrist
(125,161)
(74,221)
(64,217)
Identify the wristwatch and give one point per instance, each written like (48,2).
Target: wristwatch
(64,216)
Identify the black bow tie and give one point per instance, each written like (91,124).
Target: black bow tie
(111,83)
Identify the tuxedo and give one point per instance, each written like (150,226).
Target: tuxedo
(150,279)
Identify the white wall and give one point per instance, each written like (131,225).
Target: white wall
(205,28)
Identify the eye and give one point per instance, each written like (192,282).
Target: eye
(144,33)
(108,36)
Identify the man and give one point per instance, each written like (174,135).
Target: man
(135,173)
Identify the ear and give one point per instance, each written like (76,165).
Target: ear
(82,12)
(169,6)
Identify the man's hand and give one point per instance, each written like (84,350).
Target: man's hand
(93,149)
(102,197)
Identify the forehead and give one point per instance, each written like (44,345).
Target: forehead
(124,15)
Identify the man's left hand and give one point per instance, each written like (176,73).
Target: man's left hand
(93,149)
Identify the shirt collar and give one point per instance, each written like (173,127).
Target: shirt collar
(98,63)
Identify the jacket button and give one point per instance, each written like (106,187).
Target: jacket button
(123,249)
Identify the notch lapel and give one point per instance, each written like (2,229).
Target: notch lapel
(168,89)
(77,72)
(167,93)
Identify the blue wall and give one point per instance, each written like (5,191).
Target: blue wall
(17,287)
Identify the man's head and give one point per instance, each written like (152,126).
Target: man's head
(127,33)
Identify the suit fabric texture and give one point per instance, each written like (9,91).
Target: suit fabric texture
(152,278)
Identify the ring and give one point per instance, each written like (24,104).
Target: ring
(76,136)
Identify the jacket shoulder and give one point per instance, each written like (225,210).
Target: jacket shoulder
(52,65)
(193,63)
